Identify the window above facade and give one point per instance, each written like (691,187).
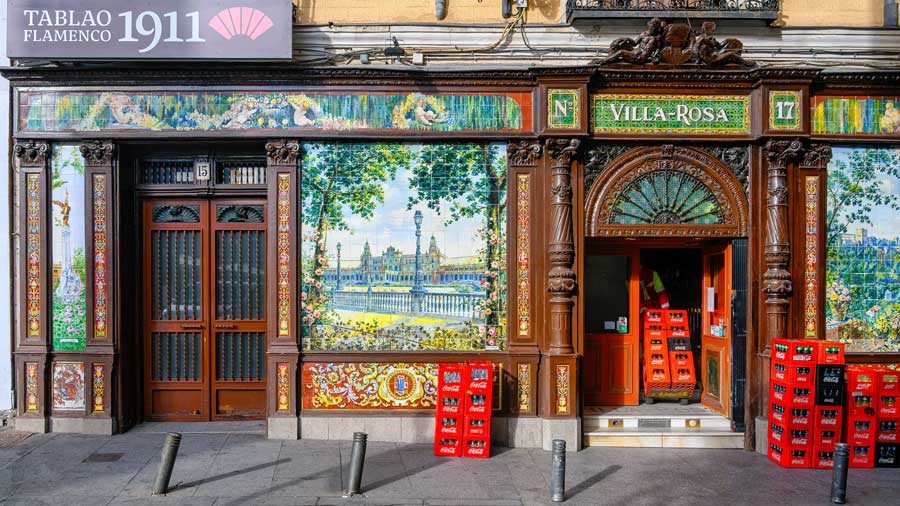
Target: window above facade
(707,9)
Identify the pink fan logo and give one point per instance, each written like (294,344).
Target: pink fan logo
(241,21)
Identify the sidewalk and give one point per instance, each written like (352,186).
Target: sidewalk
(237,469)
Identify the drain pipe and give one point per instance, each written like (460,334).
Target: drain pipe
(440,9)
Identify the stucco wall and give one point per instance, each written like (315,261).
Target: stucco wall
(863,13)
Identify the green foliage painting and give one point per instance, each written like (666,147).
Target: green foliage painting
(863,248)
(69,295)
(404,246)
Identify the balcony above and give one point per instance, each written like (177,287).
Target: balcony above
(706,9)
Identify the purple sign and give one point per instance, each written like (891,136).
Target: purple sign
(145,29)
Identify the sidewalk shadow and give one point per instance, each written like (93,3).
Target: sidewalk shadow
(593,480)
(231,474)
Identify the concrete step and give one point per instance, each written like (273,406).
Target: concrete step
(628,422)
(665,438)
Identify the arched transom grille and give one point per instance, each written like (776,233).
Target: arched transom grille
(666,197)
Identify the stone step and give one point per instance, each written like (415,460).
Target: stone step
(656,422)
(664,438)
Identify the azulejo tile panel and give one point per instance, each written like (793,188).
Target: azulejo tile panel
(865,116)
(784,110)
(68,385)
(100,279)
(31,387)
(369,385)
(136,111)
(283,386)
(98,381)
(811,280)
(677,114)
(33,253)
(523,252)
(69,276)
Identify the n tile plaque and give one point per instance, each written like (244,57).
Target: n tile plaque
(562,109)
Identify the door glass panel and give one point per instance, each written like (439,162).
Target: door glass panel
(712,375)
(606,291)
(715,304)
(176,356)
(240,274)
(241,356)
(175,271)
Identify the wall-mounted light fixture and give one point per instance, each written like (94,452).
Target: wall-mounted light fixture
(440,9)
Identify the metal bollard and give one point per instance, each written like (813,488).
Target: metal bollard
(839,474)
(167,462)
(558,474)
(357,458)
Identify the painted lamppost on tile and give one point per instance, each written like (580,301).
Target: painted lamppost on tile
(337,285)
(417,289)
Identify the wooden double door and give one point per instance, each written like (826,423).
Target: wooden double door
(204,309)
(612,339)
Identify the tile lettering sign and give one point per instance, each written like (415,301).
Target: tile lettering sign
(671,114)
(157,30)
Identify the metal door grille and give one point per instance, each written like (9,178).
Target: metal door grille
(176,274)
(167,172)
(242,172)
(240,274)
(241,356)
(176,356)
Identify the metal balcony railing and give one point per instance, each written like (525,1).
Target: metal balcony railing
(708,9)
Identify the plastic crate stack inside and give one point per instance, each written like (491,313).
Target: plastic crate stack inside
(791,419)
(448,426)
(668,362)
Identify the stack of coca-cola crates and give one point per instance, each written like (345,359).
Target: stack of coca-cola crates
(681,359)
(861,414)
(448,427)
(477,431)
(791,402)
(887,443)
(828,412)
(656,353)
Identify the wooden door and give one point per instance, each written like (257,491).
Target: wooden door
(611,353)
(204,307)
(715,366)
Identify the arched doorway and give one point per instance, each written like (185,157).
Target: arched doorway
(661,226)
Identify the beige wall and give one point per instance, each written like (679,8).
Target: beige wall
(794,12)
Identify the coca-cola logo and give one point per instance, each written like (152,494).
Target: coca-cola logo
(448,450)
(479,384)
(831,379)
(802,358)
(476,409)
(476,451)
(448,430)
(829,421)
(451,388)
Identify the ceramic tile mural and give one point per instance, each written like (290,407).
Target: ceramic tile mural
(862,289)
(31,387)
(811,256)
(369,385)
(101,281)
(68,282)
(403,246)
(33,252)
(68,385)
(523,252)
(57,111)
(283,386)
(98,384)
(660,114)
(869,116)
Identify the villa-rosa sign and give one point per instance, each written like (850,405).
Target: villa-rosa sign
(144,29)
(671,114)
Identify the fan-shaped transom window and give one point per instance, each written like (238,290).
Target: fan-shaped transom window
(666,197)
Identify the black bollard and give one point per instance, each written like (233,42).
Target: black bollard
(167,462)
(839,475)
(357,458)
(558,474)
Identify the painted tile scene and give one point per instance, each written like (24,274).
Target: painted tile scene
(856,115)
(403,246)
(863,248)
(69,295)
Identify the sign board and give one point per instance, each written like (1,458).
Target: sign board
(784,110)
(671,114)
(562,108)
(144,29)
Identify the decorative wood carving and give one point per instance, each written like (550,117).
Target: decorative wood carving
(97,152)
(777,278)
(31,153)
(817,155)
(282,152)
(599,157)
(737,158)
(676,44)
(562,244)
(523,153)
(695,165)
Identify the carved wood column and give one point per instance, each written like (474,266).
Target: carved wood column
(100,331)
(282,294)
(561,246)
(810,216)
(33,284)
(777,278)
(525,237)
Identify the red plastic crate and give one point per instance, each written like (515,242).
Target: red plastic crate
(886,430)
(861,380)
(679,331)
(861,405)
(779,413)
(656,359)
(447,426)
(656,378)
(450,378)
(476,447)
(789,395)
(887,405)
(793,374)
(678,317)
(479,377)
(888,381)
(830,352)
(451,405)
(790,456)
(656,317)
(655,340)
(681,358)
(448,447)
(794,351)
(822,457)
(828,418)
(799,418)
(862,456)
(860,432)
(826,438)
(799,436)
(478,426)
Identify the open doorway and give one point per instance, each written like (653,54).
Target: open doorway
(623,283)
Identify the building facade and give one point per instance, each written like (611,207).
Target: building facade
(303,242)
